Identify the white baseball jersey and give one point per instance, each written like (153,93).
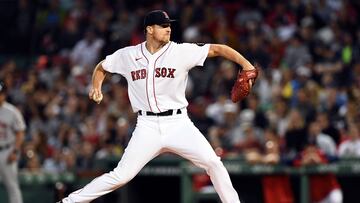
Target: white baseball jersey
(164,74)
(11,121)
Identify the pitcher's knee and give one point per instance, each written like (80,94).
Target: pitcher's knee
(121,177)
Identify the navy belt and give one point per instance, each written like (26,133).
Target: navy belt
(4,147)
(164,113)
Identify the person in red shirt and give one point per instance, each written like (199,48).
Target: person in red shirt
(324,188)
(276,187)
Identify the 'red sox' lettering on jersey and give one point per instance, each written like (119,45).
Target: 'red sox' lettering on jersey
(165,72)
(138,74)
(159,72)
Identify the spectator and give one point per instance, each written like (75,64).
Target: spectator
(323,141)
(350,148)
(198,115)
(252,103)
(289,85)
(282,21)
(86,52)
(85,158)
(121,30)
(215,110)
(295,134)
(329,61)
(222,136)
(223,81)
(68,160)
(276,51)
(349,53)
(70,35)
(266,88)
(296,54)
(327,187)
(223,33)
(54,163)
(256,53)
(249,136)
(322,119)
(304,105)
(330,102)
(276,188)
(33,164)
(278,116)
(41,146)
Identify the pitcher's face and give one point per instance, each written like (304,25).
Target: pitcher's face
(161,33)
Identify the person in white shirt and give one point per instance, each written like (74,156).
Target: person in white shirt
(323,141)
(157,72)
(351,148)
(86,52)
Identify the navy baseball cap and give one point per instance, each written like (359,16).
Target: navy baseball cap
(157,17)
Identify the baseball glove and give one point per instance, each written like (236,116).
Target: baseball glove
(242,88)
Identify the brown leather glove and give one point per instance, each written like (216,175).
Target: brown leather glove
(242,87)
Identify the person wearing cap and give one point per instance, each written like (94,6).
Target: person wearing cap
(12,127)
(157,71)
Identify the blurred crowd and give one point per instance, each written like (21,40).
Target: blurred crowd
(307,97)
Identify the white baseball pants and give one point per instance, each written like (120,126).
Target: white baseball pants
(9,176)
(152,136)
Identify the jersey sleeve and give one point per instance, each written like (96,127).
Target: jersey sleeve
(114,63)
(18,123)
(195,54)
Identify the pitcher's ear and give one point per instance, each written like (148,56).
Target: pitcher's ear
(150,29)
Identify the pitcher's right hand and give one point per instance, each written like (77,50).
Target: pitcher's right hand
(96,95)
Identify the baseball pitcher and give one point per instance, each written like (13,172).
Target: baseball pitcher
(157,73)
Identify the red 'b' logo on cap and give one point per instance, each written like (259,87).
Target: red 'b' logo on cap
(165,14)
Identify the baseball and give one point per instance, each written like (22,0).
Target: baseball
(98,98)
